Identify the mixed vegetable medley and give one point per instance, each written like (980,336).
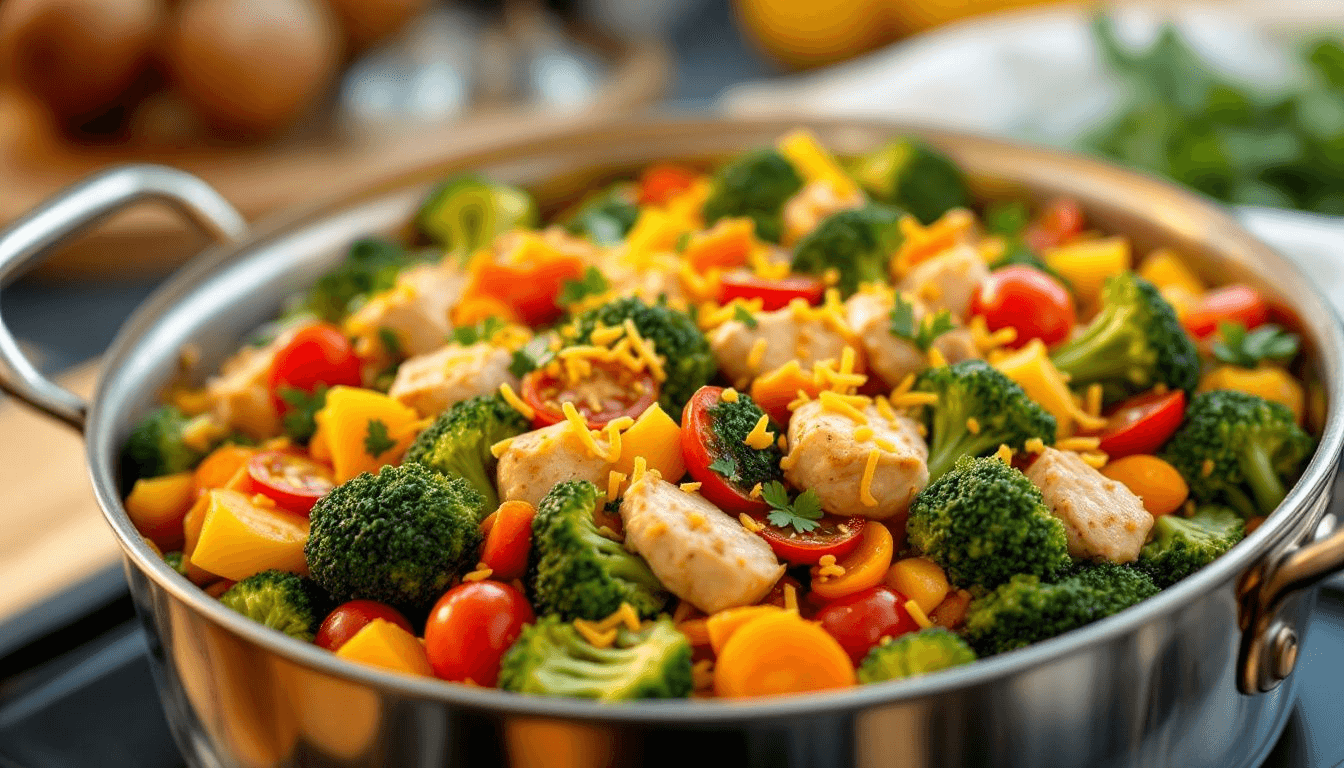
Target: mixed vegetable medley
(798,423)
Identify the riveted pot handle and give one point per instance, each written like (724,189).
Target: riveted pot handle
(29,239)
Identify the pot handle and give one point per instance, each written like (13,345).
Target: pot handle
(29,239)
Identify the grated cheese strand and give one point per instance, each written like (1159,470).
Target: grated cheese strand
(750,523)
(614,480)
(973,425)
(689,487)
(640,468)
(863,434)
(580,429)
(595,637)
(759,438)
(480,574)
(515,401)
(866,484)
(790,598)
(1004,454)
(499,448)
(914,399)
(756,354)
(1078,444)
(755,492)
(1034,445)
(836,403)
(728,395)
(917,613)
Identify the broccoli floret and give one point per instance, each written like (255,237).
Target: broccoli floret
(606,217)
(1183,545)
(550,658)
(284,601)
(158,446)
(914,654)
(458,443)
(1238,449)
(176,561)
(578,573)
(371,266)
(910,174)
(464,214)
(1134,343)
(858,244)
(984,522)
(687,359)
(740,464)
(1026,610)
(398,537)
(756,185)
(1002,413)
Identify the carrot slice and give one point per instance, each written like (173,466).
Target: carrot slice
(781,653)
(865,567)
(723,624)
(216,469)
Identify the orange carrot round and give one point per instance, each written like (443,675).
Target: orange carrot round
(780,653)
(1161,487)
(865,567)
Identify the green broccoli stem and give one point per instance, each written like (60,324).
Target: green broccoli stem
(1258,468)
(1100,354)
(622,565)
(944,452)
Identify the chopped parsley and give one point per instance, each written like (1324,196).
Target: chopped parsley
(592,283)
(738,463)
(802,513)
(724,466)
(921,334)
(481,332)
(1248,349)
(300,418)
(376,440)
(744,316)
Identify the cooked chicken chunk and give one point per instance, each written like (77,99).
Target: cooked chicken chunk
(534,462)
(415,311)
(697,551)
(779,336)
(947,281)
(241,394)
(1102,518)
(433,382)
(814,202)
(890,357)
(829,453)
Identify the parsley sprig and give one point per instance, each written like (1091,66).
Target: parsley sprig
(921,334)
(300,414)
(1247,349)
(592,283)
(483,331)
(742,315)
(377,441)
(802,512)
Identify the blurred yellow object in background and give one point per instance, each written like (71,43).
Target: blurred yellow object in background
(907,17)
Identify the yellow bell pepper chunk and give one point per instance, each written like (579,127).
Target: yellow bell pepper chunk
(655,231)
(362,430)
(1268,381)
(919,579)
(1165,269)
(1088,263)
(241,536)
(383,644)
(657,438)
(814,163)
(1033,370)
(157,505)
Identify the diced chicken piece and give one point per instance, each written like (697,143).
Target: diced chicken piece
(533,462)
(241,395)
(890,357)
(827,456)
(947,280)
(697,551)
(415,311)
(1102,518)
(814,202)
(433,382)
(649,282)
(779,336)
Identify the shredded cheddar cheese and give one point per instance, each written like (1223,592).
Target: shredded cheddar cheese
(614,480)
(640,468)
(759,438)
(863,434)
(1004,454)
(914,399)
(728,395)
(1095,459)
(480,574)
(755,492)
(866,483)
(790,598)
(750,523)
(936,359)
(499,448)
(844,404)
(1034,445)
(885,444)
(595,637)
(917,613)
(1078,444)
(516,402)
(580,429)
(973,425)
(689,487)
(1206,468)
(1092,401)
(756,355)
(800,399)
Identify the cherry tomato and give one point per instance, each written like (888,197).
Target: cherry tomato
(1028,300)
(318,354)
(1229,304)
(1142,423)
(660,183)
(608,393)
(292,481)
(833,536)
(509,540)
(774,294)
(348,618)
(1060,221)
(471,627)
(860,621)
(700,447)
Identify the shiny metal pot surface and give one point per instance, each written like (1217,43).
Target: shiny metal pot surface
(1198,676)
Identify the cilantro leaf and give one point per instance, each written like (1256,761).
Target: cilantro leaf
(1247,349)
(902,318)
(744,316)
(376,440)
(933,327)
(724,466)
(592,283)
(299,421)
(483,331)
(802,513)
(922,334)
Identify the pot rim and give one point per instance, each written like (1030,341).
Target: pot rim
(1316,311)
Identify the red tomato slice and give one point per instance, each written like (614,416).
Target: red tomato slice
(860,621)
(1142,423)
(471,627)
(610,392)
(698,449)
(318,354)
(292,481)
(1229,304)
(660,183)
(1060,221)
(509,540)
(833,536)
(1025,299)
(774,294)
(348,618)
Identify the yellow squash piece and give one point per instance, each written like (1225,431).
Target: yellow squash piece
(363,430)
(383,644)
(1164,268)
(657,438)
(1032,369)
(158,504)
(241,537)
(815,163)
(919,579)
(1088,263)
(1268,381)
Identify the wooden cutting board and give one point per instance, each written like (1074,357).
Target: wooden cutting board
(53,533)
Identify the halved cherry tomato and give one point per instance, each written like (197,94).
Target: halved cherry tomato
(865,567)
(1025,299)
(318,354)
(833,535)
(471,627)
(659,183)
(700,448)
(1229,304)
(774,294)
(608,393)
(1142,423)
(1060,221)
(292,481)
(509,540)
(348,618)
(860,621)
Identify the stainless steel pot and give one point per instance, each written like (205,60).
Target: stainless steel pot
(1197,676)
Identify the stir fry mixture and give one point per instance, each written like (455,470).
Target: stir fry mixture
(797,423)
